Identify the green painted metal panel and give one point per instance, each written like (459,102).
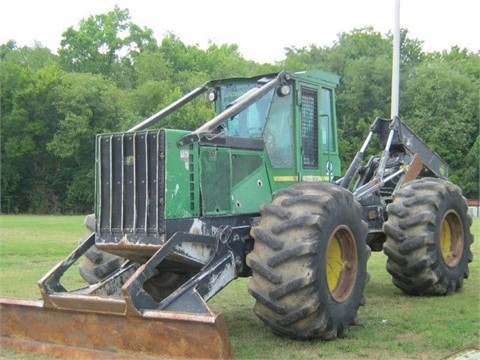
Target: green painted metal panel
(233,181)
(251,187)
(216,180)
(181,183)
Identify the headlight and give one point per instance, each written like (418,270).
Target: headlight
(284,90)
(212,96)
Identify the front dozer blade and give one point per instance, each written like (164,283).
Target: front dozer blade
(27,325)
(91,323)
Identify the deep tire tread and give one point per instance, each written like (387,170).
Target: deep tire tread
(290,299)
(412,246)
(281,310)
(267,239)
(290,287)
(96,264)
(277,211)
(290,253)
(265,272)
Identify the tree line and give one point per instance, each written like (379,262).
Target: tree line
(110,73)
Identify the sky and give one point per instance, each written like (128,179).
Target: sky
(260,28)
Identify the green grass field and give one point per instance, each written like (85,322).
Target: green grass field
(391,324)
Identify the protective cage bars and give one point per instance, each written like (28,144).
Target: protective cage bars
(130,183)
(309,128)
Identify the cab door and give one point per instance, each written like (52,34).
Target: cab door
(318,158)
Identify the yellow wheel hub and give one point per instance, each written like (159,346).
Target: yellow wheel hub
(451,238)
(341,263)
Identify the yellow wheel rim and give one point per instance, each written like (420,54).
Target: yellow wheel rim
(341,263)
(451,238)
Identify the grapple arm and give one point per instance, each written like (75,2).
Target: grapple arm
(400,142)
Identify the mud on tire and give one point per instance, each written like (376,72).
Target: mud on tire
(97,264)
(309,261)
(428,237)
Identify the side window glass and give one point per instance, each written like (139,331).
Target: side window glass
(326,120)
(278,134)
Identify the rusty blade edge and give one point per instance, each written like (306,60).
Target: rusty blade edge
(28,326)
(152,314)
(30,346)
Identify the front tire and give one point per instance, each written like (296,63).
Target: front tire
(428,237)
(309,261)
(97,264)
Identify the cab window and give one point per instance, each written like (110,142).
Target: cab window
(278,134)
(328,142)
(250,122)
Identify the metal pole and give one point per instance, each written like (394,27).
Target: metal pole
(478,202)
(396,62)
(170,108)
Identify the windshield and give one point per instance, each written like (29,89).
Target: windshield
(250,122)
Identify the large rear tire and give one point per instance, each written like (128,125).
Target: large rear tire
(428,237)
(309,261)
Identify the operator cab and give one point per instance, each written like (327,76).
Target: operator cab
(269,119)
(294,121)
